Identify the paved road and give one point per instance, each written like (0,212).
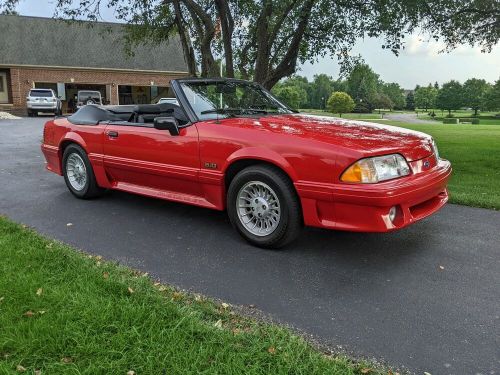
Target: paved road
(410,118)
(381,296)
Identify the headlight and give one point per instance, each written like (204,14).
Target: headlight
(435,149)
(376,169)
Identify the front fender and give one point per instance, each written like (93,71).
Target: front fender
(263,154)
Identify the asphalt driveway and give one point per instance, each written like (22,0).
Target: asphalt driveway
(376,295)
(411,118)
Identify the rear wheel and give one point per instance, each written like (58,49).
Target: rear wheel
(263,206)
(78,173)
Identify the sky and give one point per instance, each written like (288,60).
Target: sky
(419,63)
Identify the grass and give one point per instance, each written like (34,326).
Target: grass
(64,312)
(474,151)
(485,118)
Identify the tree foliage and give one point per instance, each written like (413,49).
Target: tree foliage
(383,101)
(492,97)
(410,101)
(474,92)
(425,97)
(362,86)
(396,95)
(265,40)
(293,96)
(340,102)
(450,96)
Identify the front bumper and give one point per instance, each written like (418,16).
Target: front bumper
(365,207)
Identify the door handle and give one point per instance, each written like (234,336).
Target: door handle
(112,134)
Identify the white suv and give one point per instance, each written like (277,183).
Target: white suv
(43,100)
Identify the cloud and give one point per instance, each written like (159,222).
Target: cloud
(418,45)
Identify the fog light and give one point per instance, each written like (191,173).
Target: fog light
(392,213)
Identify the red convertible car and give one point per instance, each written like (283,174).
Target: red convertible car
(230,145)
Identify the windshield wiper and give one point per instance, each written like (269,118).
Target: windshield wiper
(234,111)
(222,111)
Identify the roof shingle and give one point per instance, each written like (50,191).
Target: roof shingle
(49,42)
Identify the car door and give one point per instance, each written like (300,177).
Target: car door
(145,160)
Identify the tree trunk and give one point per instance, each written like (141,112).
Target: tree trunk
(187,48)
(206,32)
(288,64)
(227,26)
(263,51)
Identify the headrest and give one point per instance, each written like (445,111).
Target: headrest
(153,109)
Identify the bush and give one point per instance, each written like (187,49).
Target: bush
(469,120)
(450,121)
(340,102)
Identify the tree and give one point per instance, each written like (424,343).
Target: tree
(492,97)
(321,89)
(291,95)
(340,102)
(425,97)
(265,40)
(382,101)
(410,101)
(362,86)
(9,12)
(302,85)
(396,95)
(450,96)
(474,91)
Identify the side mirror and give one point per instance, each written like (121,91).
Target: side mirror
(167,123)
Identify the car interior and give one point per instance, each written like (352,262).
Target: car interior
(134,115)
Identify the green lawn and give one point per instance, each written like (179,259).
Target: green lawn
(474,151)
(63,312)
(485,118)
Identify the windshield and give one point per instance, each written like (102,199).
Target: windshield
(89,94)
(221,99)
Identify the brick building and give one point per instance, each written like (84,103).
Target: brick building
(68,57)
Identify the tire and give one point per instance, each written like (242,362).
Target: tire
(73,156)
(278,203)
(30,113)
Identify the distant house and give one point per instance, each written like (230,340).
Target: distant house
(67,57)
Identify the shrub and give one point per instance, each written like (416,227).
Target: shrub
(340,102)
(450,121)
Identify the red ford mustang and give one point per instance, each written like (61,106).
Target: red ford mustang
(230,145)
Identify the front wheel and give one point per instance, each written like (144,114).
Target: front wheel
(263,206)
(78,173)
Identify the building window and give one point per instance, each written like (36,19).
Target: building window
(142,94)
(4,95)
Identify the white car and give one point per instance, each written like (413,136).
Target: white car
(43,100)
(88,97)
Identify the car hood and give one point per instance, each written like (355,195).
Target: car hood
(366,137)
